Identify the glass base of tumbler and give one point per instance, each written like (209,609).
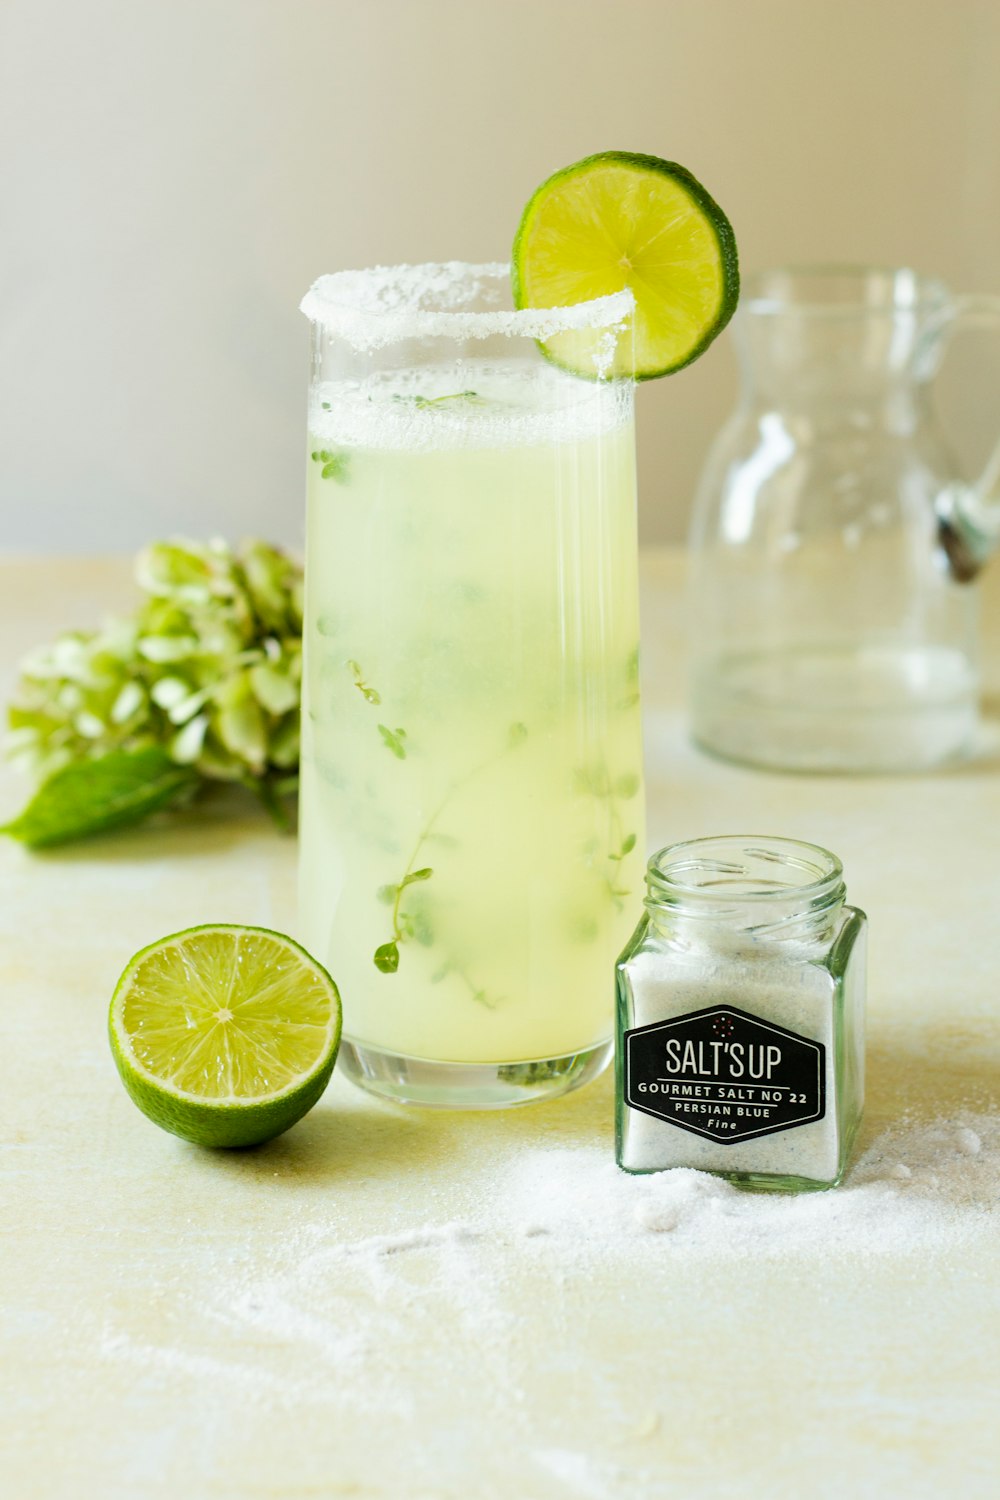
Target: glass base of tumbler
(452,1085)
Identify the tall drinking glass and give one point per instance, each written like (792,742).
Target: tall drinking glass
(471,807)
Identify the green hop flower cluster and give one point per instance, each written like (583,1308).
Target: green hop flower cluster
(208,668)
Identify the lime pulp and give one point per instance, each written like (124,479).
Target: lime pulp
(621,220)
(225,1035)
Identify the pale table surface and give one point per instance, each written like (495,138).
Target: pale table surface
(227,1325)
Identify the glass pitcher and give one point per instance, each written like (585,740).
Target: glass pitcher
(833,625)
(471,819)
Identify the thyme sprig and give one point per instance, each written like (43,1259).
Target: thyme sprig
(471,398)
(407,924)
(332,465)
(367,692)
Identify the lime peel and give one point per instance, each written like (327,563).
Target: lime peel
(621,220)
(225,1035)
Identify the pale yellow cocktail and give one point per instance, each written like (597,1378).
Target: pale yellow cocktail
(472,816)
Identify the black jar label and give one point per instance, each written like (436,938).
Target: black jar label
(725,1074)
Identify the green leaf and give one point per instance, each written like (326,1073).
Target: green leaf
(93,795)
(626,786)
(386,958)
(424,874)
(283,746)
(628,844)
(387,894)
(334,465)
(422,930)
(368,693)
(394,740)
(592,781)
(266,791)
(166,648)
(583,928)
(273,689)
(187,744)
(243,731)
(165,568)
(168,692)
(131,700)
(473,397)
(517,735)
(271,578)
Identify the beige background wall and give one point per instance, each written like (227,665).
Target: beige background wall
(173,173)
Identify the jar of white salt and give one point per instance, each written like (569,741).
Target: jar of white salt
(741,1000)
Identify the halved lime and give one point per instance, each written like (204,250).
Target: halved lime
(225,1035)
(619,220)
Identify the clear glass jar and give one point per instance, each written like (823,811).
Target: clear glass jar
(741,996)
(832,615)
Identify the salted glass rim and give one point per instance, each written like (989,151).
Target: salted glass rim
(389,304)
(902,290)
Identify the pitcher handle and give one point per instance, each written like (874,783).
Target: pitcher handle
(969,514)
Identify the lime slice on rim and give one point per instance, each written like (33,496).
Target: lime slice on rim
(225,1035)
(619,220)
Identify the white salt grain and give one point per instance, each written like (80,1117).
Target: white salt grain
(940,1194)
(386,304)
(657,1220)
(313,1318)
(798,997)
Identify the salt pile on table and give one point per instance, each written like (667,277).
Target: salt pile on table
(917,1185)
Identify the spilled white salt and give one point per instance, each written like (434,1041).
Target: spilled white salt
(916,1187)
(584,1475)
(916,1184)
(316,1317)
